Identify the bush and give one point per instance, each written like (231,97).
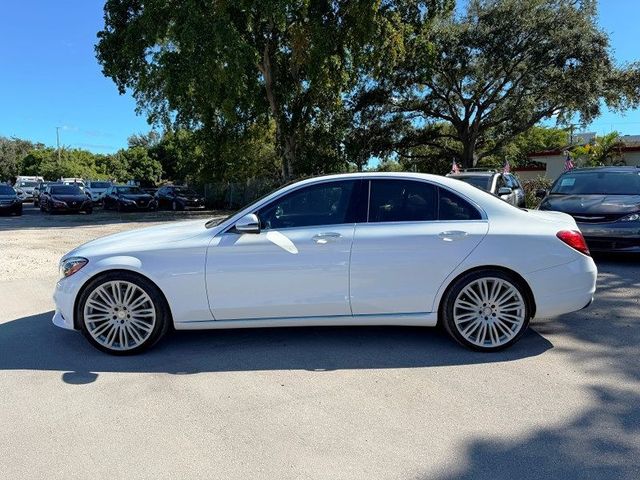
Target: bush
(530,188)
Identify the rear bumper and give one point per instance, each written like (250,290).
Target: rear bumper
(565,288)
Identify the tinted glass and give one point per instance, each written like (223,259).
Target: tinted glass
(598,183)
(184,191)
(66,190)
(402,201)
(482,182)
(27,184)
(323,204)
(7,190)
(453,207)
(130,190)
(100,184)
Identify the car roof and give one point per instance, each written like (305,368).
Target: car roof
(472,174)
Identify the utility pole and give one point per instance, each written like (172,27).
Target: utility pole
(58,142)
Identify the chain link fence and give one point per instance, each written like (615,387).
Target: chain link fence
(233,195)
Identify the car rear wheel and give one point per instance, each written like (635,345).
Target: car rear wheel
(486,310)
(122,313)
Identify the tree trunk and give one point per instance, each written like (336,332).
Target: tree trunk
(468,157)
(284,143)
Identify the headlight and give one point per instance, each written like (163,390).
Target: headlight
(126,200)
(634,217)
(71,265)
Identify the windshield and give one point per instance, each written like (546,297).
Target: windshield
(66,190)
(184,191)
(7,190)
(598,183)
(100,185)
(27,184)
(483,182)
(130,191)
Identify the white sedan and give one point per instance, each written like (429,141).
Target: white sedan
(353,249)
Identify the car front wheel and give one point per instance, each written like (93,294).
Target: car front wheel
(486,310)
(122,313)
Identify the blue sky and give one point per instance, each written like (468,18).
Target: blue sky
(49,76)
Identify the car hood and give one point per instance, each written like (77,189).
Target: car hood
(592,204)
(142,239)
(69,198)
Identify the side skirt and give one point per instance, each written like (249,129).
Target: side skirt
(421,319)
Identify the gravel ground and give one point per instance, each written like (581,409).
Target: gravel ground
(312,403)
(36,241)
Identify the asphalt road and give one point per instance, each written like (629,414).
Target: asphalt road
(330,403)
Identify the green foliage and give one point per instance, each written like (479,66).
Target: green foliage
(531,187)
(12,153)
(605,150)
(499,68)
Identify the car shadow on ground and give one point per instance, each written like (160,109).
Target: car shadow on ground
(33,343)
(599,442)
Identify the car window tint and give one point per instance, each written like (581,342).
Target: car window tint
(402,201)
(323,204)
(454,207)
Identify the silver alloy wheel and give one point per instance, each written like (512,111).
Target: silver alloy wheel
(119,315)
(489,312)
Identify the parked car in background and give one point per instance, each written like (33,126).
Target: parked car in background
(353,249)
(605,203)
(179,198)
(503,185)
(9,201)
(97,189)
(58,197)
(126,197)
(27,184)
(37,191)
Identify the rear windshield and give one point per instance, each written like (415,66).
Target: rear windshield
(7,190)
(66,190)
(100,184)
(598,183)
(482,182)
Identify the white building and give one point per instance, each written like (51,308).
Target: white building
(554,159)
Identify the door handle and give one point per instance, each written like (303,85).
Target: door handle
(452,235)
(326,237)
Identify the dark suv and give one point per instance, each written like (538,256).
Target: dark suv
(605,203)
(503,185)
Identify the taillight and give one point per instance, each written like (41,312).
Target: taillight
(574,239)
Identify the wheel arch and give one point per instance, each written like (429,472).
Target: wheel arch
(103,273)
(528,292)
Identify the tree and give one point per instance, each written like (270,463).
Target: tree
(221,67)
(140,166)
(605,150)
(500,68)
(12,152)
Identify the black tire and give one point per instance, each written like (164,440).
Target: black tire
(163,314)
(452,293)
(89,211)
(18,211)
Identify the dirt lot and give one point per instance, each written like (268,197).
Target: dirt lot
(36,241)
(312,403)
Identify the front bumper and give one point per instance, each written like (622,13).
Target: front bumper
(64,297)
(71,208)
(612,237)
(10,207)
(152,205)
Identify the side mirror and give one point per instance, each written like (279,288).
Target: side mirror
(504,191)
(541,193)
(248,224)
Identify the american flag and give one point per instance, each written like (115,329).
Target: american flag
(507,167)
(568,164)
(454,167)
